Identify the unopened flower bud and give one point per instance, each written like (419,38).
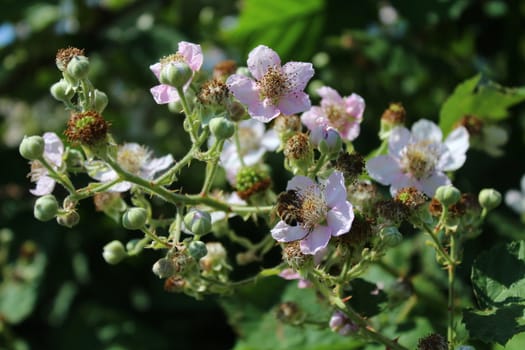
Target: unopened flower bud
(197,249)
(221,128)
(32,147)
(175,74)
(392,117)
(447,195)
(68,219)
(328,141)
(134,218)
(391,236)
(74,159)
(489,198)
(46,208)
(163,268)
(198,222)
(100,101)
(114,252)
(62,91)
(78,67)
(341,324)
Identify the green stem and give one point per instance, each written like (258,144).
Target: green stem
(451,293)
(63,180)
(438,245)
(178,225)
(91,189)
(152,236)
(211,168)
(189,116)
(318,165)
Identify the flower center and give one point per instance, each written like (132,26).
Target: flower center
(132,157)
(313,207)
(173,58)
(337,116)
(273,85)
(420,159)
(37,171)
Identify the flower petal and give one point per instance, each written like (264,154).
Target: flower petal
(355,106)
(53,148)
(260,59)
(44,185)
(457,143)
(522,184)
(163,94)
(398,140)
(153,166)
(316,240)
(329,96)
(425,130)
(294,102)
(285,233)
(515,200)
(155,68)
(430,185)
(270,140)
(299,182)
(384,169)
(192,53)
(313,117)
(340,219)
(335,190)
(298,74)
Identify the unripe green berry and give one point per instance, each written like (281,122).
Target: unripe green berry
(175,74)
(391,236)
(447,195)
(32,147)
(197,249)
(164,268)
(134,218)
(62,91)
(489,198)
(114,252)
(46,208)
(222,128)
(101,101)
(78,67)
(198,222)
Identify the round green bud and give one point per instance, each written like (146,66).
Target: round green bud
(78,67)
(134,218)
(447,195)
(32,147)
(69,219)
(197,249)
(132,244)
(74,159)
(391,236)
(114,252)
(62,91)
(330,143)
(222,128)
(175,74)
(163,268)
(489,198)
(198,222)
(100,101)
(46,207)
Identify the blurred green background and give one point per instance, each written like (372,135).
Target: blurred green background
(414,52)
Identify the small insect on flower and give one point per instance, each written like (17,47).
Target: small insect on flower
(288,207)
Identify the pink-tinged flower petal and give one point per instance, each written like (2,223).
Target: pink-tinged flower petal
(340,219)
(384,169)
(53,148)
(285,233)
(399,138)
(300,181)
(355,106)
(163,94)
(299,74)
(260,59)
(294,102)
(155,68)
(263,111)
(302,284)
(290,274)
(243,88)
(335,190)
(515,200)
(313,117)
(350,131)
(425,130)
(316,240)
(430,185)
(457,143)
(44,185)
(329,96)
(192,54)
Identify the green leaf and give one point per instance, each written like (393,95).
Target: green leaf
(485,99)
(498,325)
(498,275)
(291,28)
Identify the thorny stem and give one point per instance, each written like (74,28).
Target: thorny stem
(63,180)
(451,293)
(211,168)
(189,116)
